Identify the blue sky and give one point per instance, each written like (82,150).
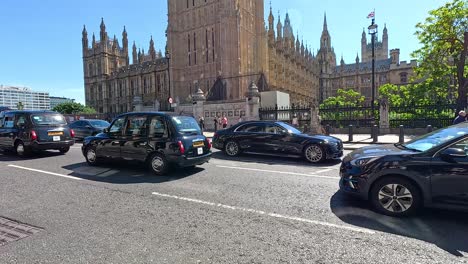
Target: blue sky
(41,40)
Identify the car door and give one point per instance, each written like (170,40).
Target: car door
(20,127)
(449,177)
(7,131)
(252,137)
(110,145)
(279,141)
(134,143)
(78,128)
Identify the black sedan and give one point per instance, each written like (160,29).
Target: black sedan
(88,127)
(276,138)
(398,179)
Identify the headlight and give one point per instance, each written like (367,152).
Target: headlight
(363,161)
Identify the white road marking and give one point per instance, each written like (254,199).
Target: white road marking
(46,172)
(325,170)
(292,218)
(279,172)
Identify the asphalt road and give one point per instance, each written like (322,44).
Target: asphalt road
(244,210)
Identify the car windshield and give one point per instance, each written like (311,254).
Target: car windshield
(186,125)
(99,123)
(48,119)
(290,129)
(434,139)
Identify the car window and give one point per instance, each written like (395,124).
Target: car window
(158,128)
(99,123)
(186,125)
(21,121)
(48,119)
(462,145)
(8,121)
(136,126)
(251,128)
(435,139)
(117,126)
(274,129)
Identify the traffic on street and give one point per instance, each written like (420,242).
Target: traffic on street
(243,209)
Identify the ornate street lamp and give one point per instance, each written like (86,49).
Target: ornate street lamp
(373,31)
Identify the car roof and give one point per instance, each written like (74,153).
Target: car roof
(29,112)
(155,114)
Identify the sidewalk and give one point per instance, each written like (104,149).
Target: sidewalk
(359,140)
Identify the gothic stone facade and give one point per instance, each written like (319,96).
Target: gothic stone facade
(111,82)
(221,46)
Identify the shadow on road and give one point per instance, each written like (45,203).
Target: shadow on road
(272,160)
(10,156)
(126,173)
(446,229)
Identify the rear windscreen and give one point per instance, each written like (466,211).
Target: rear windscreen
(99,123)
(186,125)
(48,119)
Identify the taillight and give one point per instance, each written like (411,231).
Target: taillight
(209,143)
(72,133)
(33,135)
(181,147)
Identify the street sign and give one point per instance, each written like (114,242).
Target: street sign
(170,100)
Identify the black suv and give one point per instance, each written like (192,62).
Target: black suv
(26,131)
(159,139)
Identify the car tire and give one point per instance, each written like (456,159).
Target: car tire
(395,196)
(232,148)
(158,164)
(91,156)
(21,150)
(64,150)
(314,153)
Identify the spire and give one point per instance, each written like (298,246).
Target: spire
(342,60)
(279,28)
(152,51)
(325,26)
(385,32)
(85,38)
(287,31)
(357,58)
(94,40)
(103,30)
(125,45)
(114,43)
(271,18)
(271,27)
(134,54)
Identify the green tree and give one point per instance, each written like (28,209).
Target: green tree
(424,93)
(73,108)
(444,39)
(347,97)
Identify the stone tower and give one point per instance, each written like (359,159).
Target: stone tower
(99,61)
(326,59)
(215,40)
(381,47)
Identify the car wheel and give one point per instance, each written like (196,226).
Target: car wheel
(232,148)
(394,196)
(314,153)
(91,156)
(64,150)
(158,164)
(21,150)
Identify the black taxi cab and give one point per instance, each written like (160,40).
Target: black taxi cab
(25,132)
(159,139)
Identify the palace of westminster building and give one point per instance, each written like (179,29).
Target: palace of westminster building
(220,47)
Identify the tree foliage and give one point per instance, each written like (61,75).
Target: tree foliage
(427,92)
(442,57)
(344,97)
(73,108)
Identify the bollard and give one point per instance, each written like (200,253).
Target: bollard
(402,134)
(350,133)
(374,133)
(327,129)
(429,129)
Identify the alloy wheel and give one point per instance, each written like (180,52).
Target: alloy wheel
(395,198)
(20,149)
(157,163)
(232,148)
(91,155)
(314,153)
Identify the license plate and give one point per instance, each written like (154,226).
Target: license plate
(55,133)
(200,151)
(198,144)
(56,138)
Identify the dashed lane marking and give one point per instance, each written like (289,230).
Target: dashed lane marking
(274,215)
(325,170)
(45,172)
(279,172)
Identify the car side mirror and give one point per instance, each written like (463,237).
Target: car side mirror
(105,130)
(452,153)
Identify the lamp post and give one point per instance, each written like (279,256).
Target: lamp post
(372,31)
(168,58)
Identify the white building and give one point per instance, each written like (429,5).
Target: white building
(11,97)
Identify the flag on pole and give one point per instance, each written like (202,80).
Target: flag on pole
(371,14)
